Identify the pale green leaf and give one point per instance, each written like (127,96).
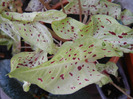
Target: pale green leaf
(48,16)
(7,27)
(67,28)
(68,71)
(36,34)
(108,29)
(127,17)
(93,7)
(28,59)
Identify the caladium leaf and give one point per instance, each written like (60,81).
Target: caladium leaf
(28,59)
(68,70)
(93,7)
(108,29)
(36,34)
(67,28)
(127,17)
(34,5)
(7,27)
(48,16)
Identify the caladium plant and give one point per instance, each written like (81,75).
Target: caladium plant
(74,63)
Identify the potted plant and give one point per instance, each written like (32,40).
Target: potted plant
(71,63)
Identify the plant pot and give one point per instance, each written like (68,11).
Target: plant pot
(124,81)
(129,65)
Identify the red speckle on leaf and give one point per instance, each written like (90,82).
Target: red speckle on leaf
(86,80)
(69,55)
(70,74)
(125,43)
(70,49)
(24,29)
(107,13)
(78,58)
(93,69)
(113,33)
(72,27)
(90,74)
(52,62)
(94,55)
(61,59)
(91,46)
(74,58)
(49,72)
(40,79)
(108,20)
(83,65)
(85,50)
(38,35)
(79,83)
(76,63)
(104,49)
(17,67)
(52,77)
(62,76)
(81,45)
(124,33)
(102,26)
(79,68)
(106,5)
(58,87)
(75,54)
(120,36)
(89,52)
(62,23)
(3,4)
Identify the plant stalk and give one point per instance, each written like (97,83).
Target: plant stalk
(62,6)
(45,4)
(121,90)
(80,11)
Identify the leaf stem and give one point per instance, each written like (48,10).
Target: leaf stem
(45,4)
(80,11)
(121,90)
(62,6)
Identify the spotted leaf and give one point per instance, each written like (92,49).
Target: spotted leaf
(28,59)
(7,27)
(72,67)
(67,28)
(93,7)
(127,17)
(108,29)
(35,34)
(48,16)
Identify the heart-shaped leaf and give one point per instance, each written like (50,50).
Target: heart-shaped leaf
(7,27)
(48,16)
(92,7)
(34,5)
(72,67)
(28,59)
(108,29)
(127,17)
(67,28)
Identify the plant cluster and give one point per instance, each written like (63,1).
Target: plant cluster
(71,64)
